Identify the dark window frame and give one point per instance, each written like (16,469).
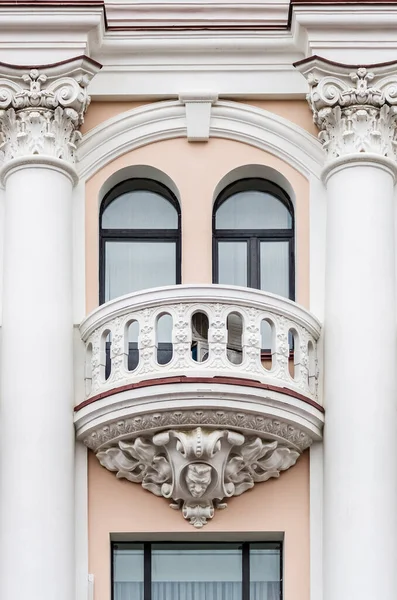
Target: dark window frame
(147,565)
(253,237)
(138,235)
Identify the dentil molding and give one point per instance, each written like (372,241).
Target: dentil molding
(197,469)
(41,109)
(355,107)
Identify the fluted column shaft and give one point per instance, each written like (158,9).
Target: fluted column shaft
(354,109)
(39,131)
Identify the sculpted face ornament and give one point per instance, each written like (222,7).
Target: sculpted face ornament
(198,468)
(198,478)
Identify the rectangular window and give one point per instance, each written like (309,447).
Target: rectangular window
(274,267)
(232,263)
(197,571)
(134,266)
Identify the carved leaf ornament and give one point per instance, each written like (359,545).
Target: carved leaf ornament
(197,469)
(356,111)
(40,115)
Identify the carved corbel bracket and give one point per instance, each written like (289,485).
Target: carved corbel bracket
(198,468)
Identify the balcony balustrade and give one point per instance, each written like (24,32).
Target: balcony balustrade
(213,332)
(213,382)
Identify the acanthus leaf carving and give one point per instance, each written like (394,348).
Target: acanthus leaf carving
(41,111)
(198,468)
(355,110)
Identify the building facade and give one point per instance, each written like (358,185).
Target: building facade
(198,274)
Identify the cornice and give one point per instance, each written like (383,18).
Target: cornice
(209,13)
(146,48)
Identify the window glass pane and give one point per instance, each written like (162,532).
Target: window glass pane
(264,572)
(128,572)
(196,572)
(274,267)
(253,210)
(232,263)
(133,266)
(140,209)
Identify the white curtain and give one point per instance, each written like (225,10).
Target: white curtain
(133,266)
(274,267)
(197,590)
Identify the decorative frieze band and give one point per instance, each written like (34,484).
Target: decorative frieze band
(197,469)
(148,424)
(355,107)
(41,109)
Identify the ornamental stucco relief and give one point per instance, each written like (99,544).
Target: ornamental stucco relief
(41,110)
(198,469)
(355,108)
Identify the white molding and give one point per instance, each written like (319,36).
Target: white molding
(316,521)
(163,13)
(145,55)
(198,114)
(29,35)
(104,420)
(354,34)
(229,120)
(199,293)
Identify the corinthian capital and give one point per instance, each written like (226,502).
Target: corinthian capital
(355,107)
(42,108)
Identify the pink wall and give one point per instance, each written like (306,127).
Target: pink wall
(279,505)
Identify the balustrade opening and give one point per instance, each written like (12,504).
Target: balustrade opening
(234,338)
(131,341)
(164,339)
(200,326)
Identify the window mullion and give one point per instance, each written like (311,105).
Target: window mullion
(253,263)
(147,572)
(246,571)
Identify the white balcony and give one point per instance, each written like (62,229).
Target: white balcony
(199,392)
(228,346)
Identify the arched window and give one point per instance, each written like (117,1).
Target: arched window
(253,229)
(139,238)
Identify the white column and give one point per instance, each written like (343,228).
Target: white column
(357,126)
(39,124)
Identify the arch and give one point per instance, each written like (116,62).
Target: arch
(229,120)
(255,172)
(138,172)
